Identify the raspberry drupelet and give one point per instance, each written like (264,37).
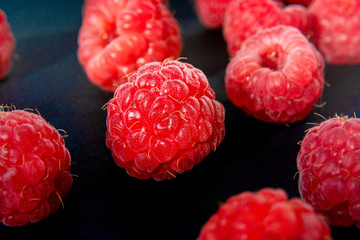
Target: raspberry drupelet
(34,168)
(277,75)
(164,120)
(266,214)
(117,37)
(329,167)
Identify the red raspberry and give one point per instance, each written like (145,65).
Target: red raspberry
(7,45)
(164,120)
(243,18)
(329,166)
(337,30)
(118,36)
(34,168)
(266,214)
(277,76)
(211,12)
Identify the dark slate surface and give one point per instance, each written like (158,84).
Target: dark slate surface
(105,202)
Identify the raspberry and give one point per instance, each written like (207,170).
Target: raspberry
(7,45)
(266,214)
(337,30)
(277,75)
(34,168)
(211,12)
(118,36)
(329,166)
(164,120)
(243,18)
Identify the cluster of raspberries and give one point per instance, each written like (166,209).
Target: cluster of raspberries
(34,162)
(333,26)
(163,118)
(275,73)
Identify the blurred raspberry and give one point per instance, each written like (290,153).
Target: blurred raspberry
(117,37)
(7,45)
(277,75)
(337,30)
(329,166)
(243,18)
(34,168)
(164,120)
(266,214)
(211,12)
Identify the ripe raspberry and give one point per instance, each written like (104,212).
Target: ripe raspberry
(118,36)
(337,30)
(34,168)
(164,120)
(211,12)
(277,76)
(243,18)
(329,166)
(266,214)
(7,45)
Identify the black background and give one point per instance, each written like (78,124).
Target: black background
(105,202)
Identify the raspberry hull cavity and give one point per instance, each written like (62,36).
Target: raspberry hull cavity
(164,120)
(34,168)
(117,37)
(329,167)
(266,214)
(277,76)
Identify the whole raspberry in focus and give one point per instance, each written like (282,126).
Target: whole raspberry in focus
(243,18)
(337,30)
(277,75)
(164,120)
(7,45)
(118,36)
(329,167)
(211,12)
(266,214)
(34,168)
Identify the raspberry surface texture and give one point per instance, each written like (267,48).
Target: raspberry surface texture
(211,12)
(329,166)
(243,18)
(7,45)
(164,120)
(337,30)
(277,75)
(116,37)
(266,214)
(34,168)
